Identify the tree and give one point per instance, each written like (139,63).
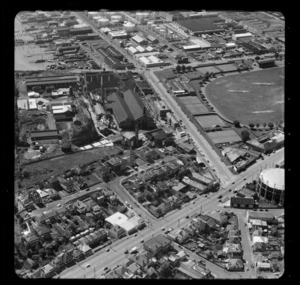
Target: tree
(236,123)
(149,197)
(165,270)
(264,124)
(178,68)
(245,135)
(257,125)
(25,174)
(169,141)
(183,68)
(251,125)
(271,125)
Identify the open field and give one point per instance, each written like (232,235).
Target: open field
(209,121)
(228,136)
(256,97)
(43,169)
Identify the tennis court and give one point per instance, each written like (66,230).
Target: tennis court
(227,67)
(196,109)
(228,136)
(188,100)
(210,121)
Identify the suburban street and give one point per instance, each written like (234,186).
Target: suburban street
(174,219)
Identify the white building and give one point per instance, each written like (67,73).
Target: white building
(242,36)
(151,61)
(32,104)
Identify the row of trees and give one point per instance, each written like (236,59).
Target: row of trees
(237,124)
(182,68)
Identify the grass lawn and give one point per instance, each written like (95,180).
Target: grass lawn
(256,97)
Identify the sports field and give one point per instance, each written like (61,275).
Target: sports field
(256,97)
(228,136)
(209,121)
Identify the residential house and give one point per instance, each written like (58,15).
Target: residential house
(240,202)
(39,273)
(48,271)
(85,249)
(31,238)
(219,217)
(80,207)
(116,232)
(152,273)
(46,217)
(182,236)
(235,264)
(58,263)
(235,251)
(199,224)
(29,263)
(43,231)
(157,244)
(263,266)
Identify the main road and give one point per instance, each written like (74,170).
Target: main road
(222,170)
(173,219)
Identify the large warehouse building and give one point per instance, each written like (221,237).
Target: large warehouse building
(271,185)
(129,109)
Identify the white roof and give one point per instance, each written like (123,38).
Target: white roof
(149,48)
(255,222)
(33,94)
(88,146)
(32,104)
(256,239)
(230,44)
(138,39)
(132,49)
(144,60)
(22,104)
(116,219)
(273,177)
(200,42)
(191,47)
(140,49)
(244,35)
(154,58)
(96,144)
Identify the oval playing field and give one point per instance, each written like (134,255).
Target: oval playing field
(256,97)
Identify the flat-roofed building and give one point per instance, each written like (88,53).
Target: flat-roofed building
(161,108)
(138,39)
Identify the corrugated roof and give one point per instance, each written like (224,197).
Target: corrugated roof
(134,103)
(120,109)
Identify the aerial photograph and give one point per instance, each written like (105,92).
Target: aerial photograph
(149,144)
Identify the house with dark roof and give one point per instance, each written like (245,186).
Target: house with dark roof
(242,202)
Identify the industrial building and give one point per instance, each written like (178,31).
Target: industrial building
(128,110)
(139,40)
(99,80)
(268,62)
(118,34)
(152,39)
(271,185)
(244,36)
(42,82)
(81,31)
(151,61)
(267,143)
(49,135)
(161,108)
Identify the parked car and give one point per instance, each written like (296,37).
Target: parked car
(126,251)
(87,265)
(106,268)
(107,250)
(219,197)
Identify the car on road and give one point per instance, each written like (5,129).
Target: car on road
(162,229)
(106,268)
(220,196)
(229,190)
(245,179)
(193,202)
(142,240)
(235,191)
(107,250)
(87,265)
(126,251)
(169,230)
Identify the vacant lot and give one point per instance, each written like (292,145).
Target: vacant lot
(228,136)
(256,97)
(40,171)
(209,121)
